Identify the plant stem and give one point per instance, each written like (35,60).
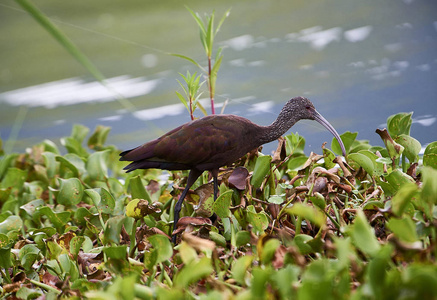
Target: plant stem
(211,96)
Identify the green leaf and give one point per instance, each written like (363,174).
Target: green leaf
(262,168)
(57,219)
(397,178)
(363,161)
(66,164)
(73,146)
(138,190)
(259,282)
(97,165)
(430,155)
(296,163)
(222,204)
(192,272)
(98,138)
(276,199)
(107,201)
(239,268)
(318,200)
(403,197)
(50,163)
(259,221)
(328,157)
(404,229)
(14,178)
(70,191)
(242,238)
(348,138)
(363,236)
(113,229)
(219,239)
(294,144)
(79,132)
(189,59)
(308,212)
(399,124)
(116,252)
(429,185)
(28,255)
(268,251)
(285,279)
(301,241)
(411,146)
(11,223)
(162,245)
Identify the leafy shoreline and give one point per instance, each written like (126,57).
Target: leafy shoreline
(287,226)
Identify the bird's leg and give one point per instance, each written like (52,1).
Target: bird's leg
(192,177)
(215,180)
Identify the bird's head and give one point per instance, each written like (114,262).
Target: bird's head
(302,108)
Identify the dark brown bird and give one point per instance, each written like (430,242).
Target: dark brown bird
(214,141)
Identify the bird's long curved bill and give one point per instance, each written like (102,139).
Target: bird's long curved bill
(319,118)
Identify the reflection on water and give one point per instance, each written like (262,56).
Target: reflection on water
(76,91)
(359,64)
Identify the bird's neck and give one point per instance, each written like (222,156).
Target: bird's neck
(277,128)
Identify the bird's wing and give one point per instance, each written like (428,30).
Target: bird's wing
(200,141)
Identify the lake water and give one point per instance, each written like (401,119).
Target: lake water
(358,61)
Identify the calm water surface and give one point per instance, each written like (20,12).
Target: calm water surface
(358,61)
